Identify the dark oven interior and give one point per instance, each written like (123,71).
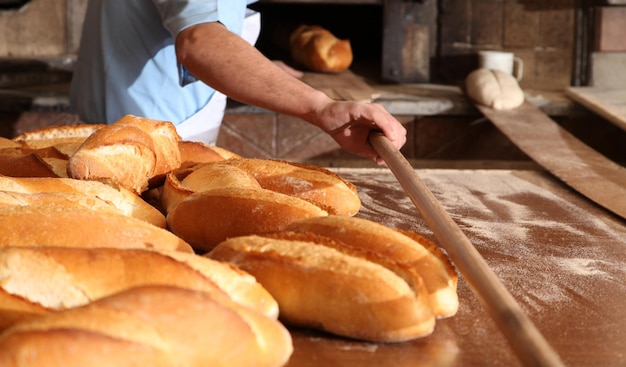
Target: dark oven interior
(360,23)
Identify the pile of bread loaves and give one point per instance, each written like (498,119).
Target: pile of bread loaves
(123,245)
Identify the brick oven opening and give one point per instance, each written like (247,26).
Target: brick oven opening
(12,4)
(360,23)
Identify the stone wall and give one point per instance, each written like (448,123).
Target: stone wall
(41,29)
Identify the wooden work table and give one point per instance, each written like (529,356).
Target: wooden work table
(562,258)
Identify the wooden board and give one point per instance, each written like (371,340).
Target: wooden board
(559,255)
(609,103)
(554,148)
(344,86)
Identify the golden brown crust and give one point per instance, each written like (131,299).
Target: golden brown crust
(320,287)
(55,278)
(165,142)
(118,153)
(81,227)
(415,252)
(8,143)
(182,183)
(134,152)
(209,202)
(53,136)
(317,49)
(54,345)
(317,185)
(193,152)
(16,164)
(89,194)
(207,218)
(150,326)
(14,309)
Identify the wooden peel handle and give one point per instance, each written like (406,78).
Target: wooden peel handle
(525,340)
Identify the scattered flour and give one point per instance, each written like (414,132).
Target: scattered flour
(544,246)
(580,266)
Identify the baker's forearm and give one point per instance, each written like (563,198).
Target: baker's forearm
(229,64)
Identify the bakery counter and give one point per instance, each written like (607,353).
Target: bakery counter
(561,257)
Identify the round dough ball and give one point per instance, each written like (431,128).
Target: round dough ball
(494,88)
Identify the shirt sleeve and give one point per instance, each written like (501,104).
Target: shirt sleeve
(178,15)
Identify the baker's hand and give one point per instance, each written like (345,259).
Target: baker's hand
(350,124)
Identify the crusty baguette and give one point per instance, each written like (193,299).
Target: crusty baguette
(90,194)
(8,143)
(57,135)
(14,309)
(149,326)
(134,152)
(317,185)
(58,199)
(308,182)
(240,286)
(321,287)
(165,141)
(118,153)
(410,251)
(36,225)
(185,182)
(209,217)
(192,152)
(317,49)
(15,163)
(23,161)
(54,145)
(56,278)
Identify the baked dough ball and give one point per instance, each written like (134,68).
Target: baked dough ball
(494,88)
(317,49)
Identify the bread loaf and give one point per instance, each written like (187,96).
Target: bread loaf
(19,164)
(408,249)
(318,286)
(350,276)
(67,226)
(317,185)
(42,279)
(43,152)
(182,183)
(192,152)
(134,152)
(65,138)
(209,217)
(89,194)
(317,49)
(207,203)
(8,143)
(157,326)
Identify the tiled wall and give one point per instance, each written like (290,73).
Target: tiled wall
(540,32)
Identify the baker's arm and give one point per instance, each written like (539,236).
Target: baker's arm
(229,64)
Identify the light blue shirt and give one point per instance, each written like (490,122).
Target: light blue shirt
(127,63)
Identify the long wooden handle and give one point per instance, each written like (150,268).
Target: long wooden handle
(524,338)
